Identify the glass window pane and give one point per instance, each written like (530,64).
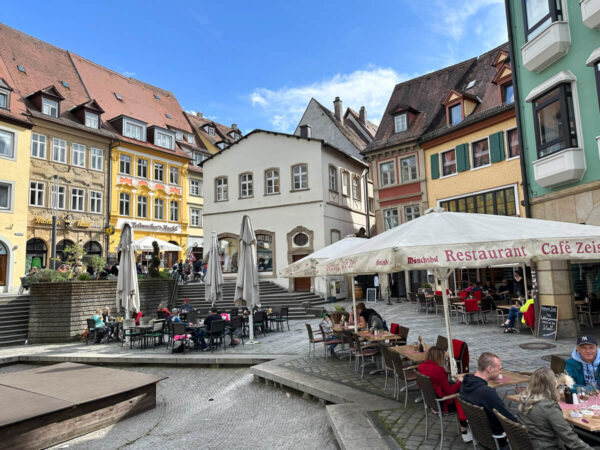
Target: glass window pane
(6,144)
(536,11)
(549,122)
(489,203)
(471,204)
(513,143)
(511,207)
(500,203)
(480,204)
(481,153)
(455,114)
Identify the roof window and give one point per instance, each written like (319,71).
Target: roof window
(169,116)
(156,96)
(118,96)
(65,84)
(21,69)
(471,84)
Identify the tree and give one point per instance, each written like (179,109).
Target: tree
(154,268)
(98,263)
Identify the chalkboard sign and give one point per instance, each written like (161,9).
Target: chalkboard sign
(548,321)
(371,295)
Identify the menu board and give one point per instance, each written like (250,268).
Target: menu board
(548,321)
(371,295)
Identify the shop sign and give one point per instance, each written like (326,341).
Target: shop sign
(146,225)
(83,224)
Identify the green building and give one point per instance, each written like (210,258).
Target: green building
(555,57)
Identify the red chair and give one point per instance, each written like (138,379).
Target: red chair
(478,295)
(461,355)
(463,294)
(394,328)
(471,308)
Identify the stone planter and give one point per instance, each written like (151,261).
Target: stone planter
(58,311)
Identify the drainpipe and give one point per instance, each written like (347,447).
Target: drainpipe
(366,177)
(112,145)
(513,52)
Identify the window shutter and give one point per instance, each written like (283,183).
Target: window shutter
(497,147)
(435,166)
(462,157)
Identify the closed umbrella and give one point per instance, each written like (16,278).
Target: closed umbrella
(214,274)
(128,293)
(246,285)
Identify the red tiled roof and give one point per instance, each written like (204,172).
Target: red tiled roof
(221,131)
(17,109)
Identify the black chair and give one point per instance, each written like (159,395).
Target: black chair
(442,342)
(234,312)
(236,323)
(557,364)
(91,326)
(161,315)
(130,332)
(282,317)
(178,329)
(216,334)
(483,437)
(157,331)
(259,321)
(517,434)
(485,308)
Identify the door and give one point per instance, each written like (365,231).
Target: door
(301,284)
(3,269)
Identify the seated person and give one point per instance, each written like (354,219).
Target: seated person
(433,367)
(470,287)
(100,327)
(245,311)
(477,287)
(186,307)
(161,307)
(513,313)
(505,289)
(109,322)
(327,327)
(540,412)
(474,389)
(202,333)
(136,315)
(174,316)
(368,318)
(584,364)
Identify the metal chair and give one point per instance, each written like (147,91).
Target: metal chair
(403,335)
(434,404)
(216,333)
(517,434)
(129,332)
(388,366)
(161,314)
(438,303)
(483,437)
(557,364)
(362,352)
(408,374)
(584,314)
(178,329)
(91,326)
(485,307)
(312,340)
(326,342)
(282,317)
(236,323)
(412,297)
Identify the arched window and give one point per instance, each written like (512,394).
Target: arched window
(91,249)
(229,254)
(36,254)
(60,249)
(264,252)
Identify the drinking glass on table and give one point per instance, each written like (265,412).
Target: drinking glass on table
(582,393)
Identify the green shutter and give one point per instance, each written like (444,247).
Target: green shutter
(462,157)
(497,147)
(435,166)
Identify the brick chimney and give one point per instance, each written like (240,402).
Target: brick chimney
(363,115)
(305,131)
(199,115)
(337,109)
(234,126)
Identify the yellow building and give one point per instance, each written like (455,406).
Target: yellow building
(473,158)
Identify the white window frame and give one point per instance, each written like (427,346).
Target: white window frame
(95,198)
(410,211)
(159,205)
(173,211)
(60,146)
(78,154)
(125,200)
(159,168)
(221,189)
(134,125)
(164,139)
(174,175)
(387,214)
(195,217)
(179,135)
(92,120)
(392,173)
(10,196)
(416,169)
(355,188)
(333,179)
(401,123)
(13,138)
(77,200)
(97,159)
(142,163)
(507,144)
(189,138)
(272,182)
(301,177)
(40,188)
(6,96)
(49,107)
(246,185)
(210,131)
(195,187)
(345,183)
(61,197)
(472,152)
(38,145)
(124,161)
(142,201)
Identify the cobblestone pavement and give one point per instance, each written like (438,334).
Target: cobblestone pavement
(214,409)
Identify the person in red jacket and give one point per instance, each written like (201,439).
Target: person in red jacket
(137,315)
(433,368)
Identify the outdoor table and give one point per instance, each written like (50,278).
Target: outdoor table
(411,352)
(379,337)
(509,378)
(143,329)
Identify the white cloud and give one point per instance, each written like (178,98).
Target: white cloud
(370,88)
(128,74)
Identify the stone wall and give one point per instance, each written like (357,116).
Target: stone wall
(58,311)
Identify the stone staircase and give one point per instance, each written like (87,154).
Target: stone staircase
(14,319)
(271,295)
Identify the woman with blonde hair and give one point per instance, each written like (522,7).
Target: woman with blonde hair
(434,368)
(540,412)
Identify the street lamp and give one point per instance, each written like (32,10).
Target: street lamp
(54,208)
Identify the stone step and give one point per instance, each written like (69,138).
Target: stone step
(14,320)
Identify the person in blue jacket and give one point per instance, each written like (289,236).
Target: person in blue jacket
(584,364)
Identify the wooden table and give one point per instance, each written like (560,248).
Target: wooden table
(410,352)
(379,337)
(509,378)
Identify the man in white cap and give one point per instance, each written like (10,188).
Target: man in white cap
(584,364)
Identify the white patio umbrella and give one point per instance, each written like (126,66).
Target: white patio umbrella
(307,266)
(145,245)
(246,285)
(441,241)
(128,293)
(214,274)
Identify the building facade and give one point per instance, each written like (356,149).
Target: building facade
(300,193)
(555,52)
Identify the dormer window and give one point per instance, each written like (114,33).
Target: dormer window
(164,140)
(179,135)
(221,145)
(400,123)
(190,138)
(4,96)
(455,114)
(91,120)
(134,129)
(210,130)
(508,94)
(234,136)
(198,158)
(49,107)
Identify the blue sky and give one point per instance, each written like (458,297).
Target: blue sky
(258,64)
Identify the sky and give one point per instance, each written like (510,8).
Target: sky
(257,64)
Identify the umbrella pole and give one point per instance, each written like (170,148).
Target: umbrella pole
(354,306)
(127,317)
(453,369)
(251,327)
(406,283)
(525,281)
